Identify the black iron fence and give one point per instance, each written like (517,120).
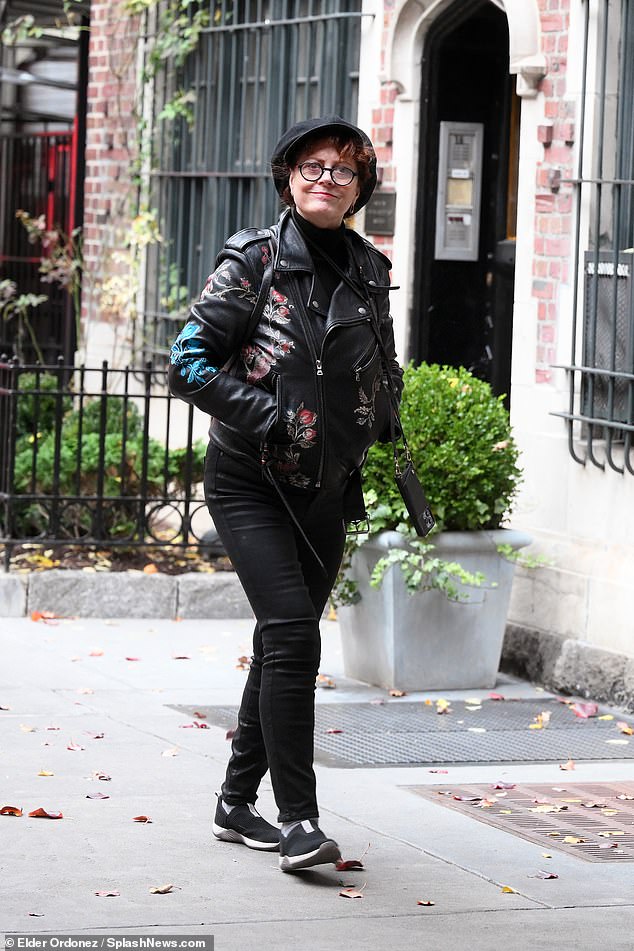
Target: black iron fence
(99,456)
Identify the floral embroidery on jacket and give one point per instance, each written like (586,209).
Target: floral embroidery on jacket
(300,427)
(187,354)
(259,360)
(366,410)
(220,284)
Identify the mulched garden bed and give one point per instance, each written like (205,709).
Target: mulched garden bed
(149,559)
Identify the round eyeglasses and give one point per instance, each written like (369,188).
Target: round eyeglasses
(340,174)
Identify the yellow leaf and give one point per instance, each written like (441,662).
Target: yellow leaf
(606,716)
(546,855)
(535,726)
(609,812)
(575,840)
(45,772)
(508,890)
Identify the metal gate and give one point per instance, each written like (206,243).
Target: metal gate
(260,65)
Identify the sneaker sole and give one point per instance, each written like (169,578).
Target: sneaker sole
(230,835)
(328,852)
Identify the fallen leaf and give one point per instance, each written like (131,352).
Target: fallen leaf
(443,706)
(508,890)
(503,786)
(496,696)
(45,616)
(5,708)
(199,715)
(94,736)
(396,693)
(74,747)
(107,894)
(344,865)
(244,663)
(350,893)
(618,742)
(606,716)
(378,701)
(323,680)
(468,798)
(624,796)
(425,901)
(591,804)
(27,728)
(172,751)
(45,772)
(97,652)
(133,658)
(85,690)
(141,819)
(35,914)
(97,795)
(150,569)
(181,657)
(625,728)
(543,874)
(611,833)
(569,765)
(574,839)
(585,710)
(438,770)
(161,889)
(43,814)
(334,730)
(609,812)
(53,728)
(546,855)
(97,774)
(10,811)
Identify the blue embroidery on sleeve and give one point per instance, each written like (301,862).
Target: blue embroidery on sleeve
(188,354)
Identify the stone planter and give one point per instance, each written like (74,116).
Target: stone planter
(424,641)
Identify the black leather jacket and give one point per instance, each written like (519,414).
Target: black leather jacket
(303,391)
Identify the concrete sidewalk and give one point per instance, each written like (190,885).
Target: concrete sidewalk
(66,683)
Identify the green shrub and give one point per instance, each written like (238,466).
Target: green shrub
(82,463)
(464,454)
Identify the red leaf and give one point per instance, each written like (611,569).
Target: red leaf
(503,786)
(334,730)
(44,616)
(585,710)
(468,798)
(10,811)
(344,865)
(199,715)
(133,658)
(425,901)
(141,819)
(43,814)
(496,696)
(97,652)
(74,747)
(350,893)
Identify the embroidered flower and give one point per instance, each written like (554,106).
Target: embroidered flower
(366,410)
(188,353)
(306,417)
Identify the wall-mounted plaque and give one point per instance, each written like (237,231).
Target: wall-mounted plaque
(380,213)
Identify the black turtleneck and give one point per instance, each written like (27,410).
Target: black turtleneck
(324,243)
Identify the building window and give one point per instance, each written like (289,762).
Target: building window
(600,415)
(259,66)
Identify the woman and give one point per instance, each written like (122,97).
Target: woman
(282,352)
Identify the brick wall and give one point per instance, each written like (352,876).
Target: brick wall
(110,148)
(553,207)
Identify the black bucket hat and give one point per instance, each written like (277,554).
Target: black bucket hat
(293,139)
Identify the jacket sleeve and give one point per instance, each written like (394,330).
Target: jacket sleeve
(214,333)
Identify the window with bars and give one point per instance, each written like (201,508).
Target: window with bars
(259,66)
(600,415)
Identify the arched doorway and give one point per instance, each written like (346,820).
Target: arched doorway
(465,223)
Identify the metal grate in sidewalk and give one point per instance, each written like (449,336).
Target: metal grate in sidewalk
(403,733)
(594,821)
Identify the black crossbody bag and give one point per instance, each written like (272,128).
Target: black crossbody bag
(408,483)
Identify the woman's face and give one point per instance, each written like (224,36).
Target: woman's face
(323,203)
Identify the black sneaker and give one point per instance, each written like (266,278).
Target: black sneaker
(245,824)
(306,845)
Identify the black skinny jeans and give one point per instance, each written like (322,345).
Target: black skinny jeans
(287,589)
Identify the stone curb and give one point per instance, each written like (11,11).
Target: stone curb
(569,666)
(123,594)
